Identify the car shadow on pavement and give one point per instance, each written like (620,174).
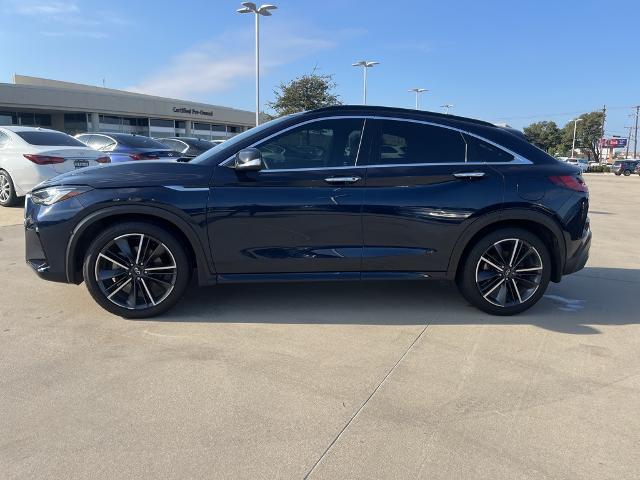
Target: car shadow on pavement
(581,302)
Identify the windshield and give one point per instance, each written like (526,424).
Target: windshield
(238,139)
(57,139)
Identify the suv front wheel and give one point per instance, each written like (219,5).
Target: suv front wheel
(136,270)
(506,272)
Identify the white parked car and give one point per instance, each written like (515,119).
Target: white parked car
(30,155)
(581,163)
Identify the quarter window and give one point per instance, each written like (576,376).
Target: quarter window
(321,144)
(402,142)
(98,142)
(4,139)
(481,151)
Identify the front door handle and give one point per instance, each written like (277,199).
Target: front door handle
(469,175)
(353,179)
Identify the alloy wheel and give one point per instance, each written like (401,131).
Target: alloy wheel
(5,188)
(136,271)
(509,272)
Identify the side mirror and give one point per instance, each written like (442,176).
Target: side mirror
(249,159)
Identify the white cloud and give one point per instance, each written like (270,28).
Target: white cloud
(65,19)
(26,7)
(76,33)
(218,65)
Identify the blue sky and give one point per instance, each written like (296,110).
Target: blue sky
(501,61)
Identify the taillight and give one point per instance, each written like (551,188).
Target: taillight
(143,156)
(103,160)
(43,159)
(571,182)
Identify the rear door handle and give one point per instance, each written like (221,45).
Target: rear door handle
(353,179)
(469,175)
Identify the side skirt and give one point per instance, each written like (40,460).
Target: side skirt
(319,277)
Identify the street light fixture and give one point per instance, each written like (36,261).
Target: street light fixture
(365,65)
(418,91)
(573,145)
(446,107)
(250,7)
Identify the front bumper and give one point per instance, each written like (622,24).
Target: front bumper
(46,240)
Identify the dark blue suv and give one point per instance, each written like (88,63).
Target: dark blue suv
(340,193)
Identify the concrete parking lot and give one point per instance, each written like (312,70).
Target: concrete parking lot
(371,380)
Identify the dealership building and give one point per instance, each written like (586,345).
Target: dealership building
(76,108)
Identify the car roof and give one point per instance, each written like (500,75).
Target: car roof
(403,112)
(18,128)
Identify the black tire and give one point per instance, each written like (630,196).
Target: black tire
(627,173)
(481,285)
(8,196)
(153,287)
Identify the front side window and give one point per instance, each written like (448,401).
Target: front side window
(400,142)
(321,144)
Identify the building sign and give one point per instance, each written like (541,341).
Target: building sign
(613,142)
(193,111)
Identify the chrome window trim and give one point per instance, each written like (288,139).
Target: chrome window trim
(517,159)
(181,188)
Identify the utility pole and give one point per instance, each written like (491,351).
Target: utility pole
(604,117)
(635,136)
(630,128)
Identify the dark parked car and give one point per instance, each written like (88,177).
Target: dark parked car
(187,146)
(126,147)
(624,167)
(339,193)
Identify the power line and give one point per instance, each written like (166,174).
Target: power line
(559,114)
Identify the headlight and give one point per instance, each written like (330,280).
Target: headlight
(51,195)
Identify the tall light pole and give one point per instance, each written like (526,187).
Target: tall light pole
(575,127)
(250,7)
(418,91)
(365,65)
(446,107)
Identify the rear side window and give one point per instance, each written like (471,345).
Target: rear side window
(400,142)
(4,139)
(481,151)
(50,138)
(139,141)
(173,144)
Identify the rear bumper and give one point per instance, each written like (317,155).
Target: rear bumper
(578,260)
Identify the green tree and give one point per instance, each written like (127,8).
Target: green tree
(545,135)
(588,134)
(304,93)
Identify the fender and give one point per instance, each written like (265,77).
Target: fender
(206,276)
(518,214)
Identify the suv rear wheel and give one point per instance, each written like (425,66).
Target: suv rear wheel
(627,173)
(136,270)
(506,272)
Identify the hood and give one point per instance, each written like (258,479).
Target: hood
(136,174)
